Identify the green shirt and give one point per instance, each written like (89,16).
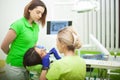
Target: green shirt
(34,71)
(36,68)
(67,68)
(26,37)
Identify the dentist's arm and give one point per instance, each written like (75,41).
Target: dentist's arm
(43,75)
(45,63)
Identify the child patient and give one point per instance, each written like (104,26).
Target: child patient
(33,60)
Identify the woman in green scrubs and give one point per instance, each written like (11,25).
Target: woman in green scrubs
(22,35)
(71,66)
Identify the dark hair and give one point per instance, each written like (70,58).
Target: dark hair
(33,4)
(31,58)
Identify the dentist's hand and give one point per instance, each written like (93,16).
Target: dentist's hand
(46,61)
(54,51)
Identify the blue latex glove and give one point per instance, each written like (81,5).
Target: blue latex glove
(54,51)
(46,61)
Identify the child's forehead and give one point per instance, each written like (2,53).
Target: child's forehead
(37,50)
(40,51)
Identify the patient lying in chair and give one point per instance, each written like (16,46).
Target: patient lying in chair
(32,60)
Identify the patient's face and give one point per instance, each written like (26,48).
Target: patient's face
(41,52)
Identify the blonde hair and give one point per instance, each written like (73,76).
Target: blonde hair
(69,37)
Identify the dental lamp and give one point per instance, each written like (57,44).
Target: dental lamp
(81,6)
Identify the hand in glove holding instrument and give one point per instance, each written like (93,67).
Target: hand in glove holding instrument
(45,59)
(55,53)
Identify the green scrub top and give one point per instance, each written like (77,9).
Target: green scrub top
(67,68)
(26,37)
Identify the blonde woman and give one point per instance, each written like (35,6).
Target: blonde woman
(71,66)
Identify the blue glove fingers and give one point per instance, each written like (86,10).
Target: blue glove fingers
(54,51)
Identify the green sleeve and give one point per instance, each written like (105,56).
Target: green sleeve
(16,27)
